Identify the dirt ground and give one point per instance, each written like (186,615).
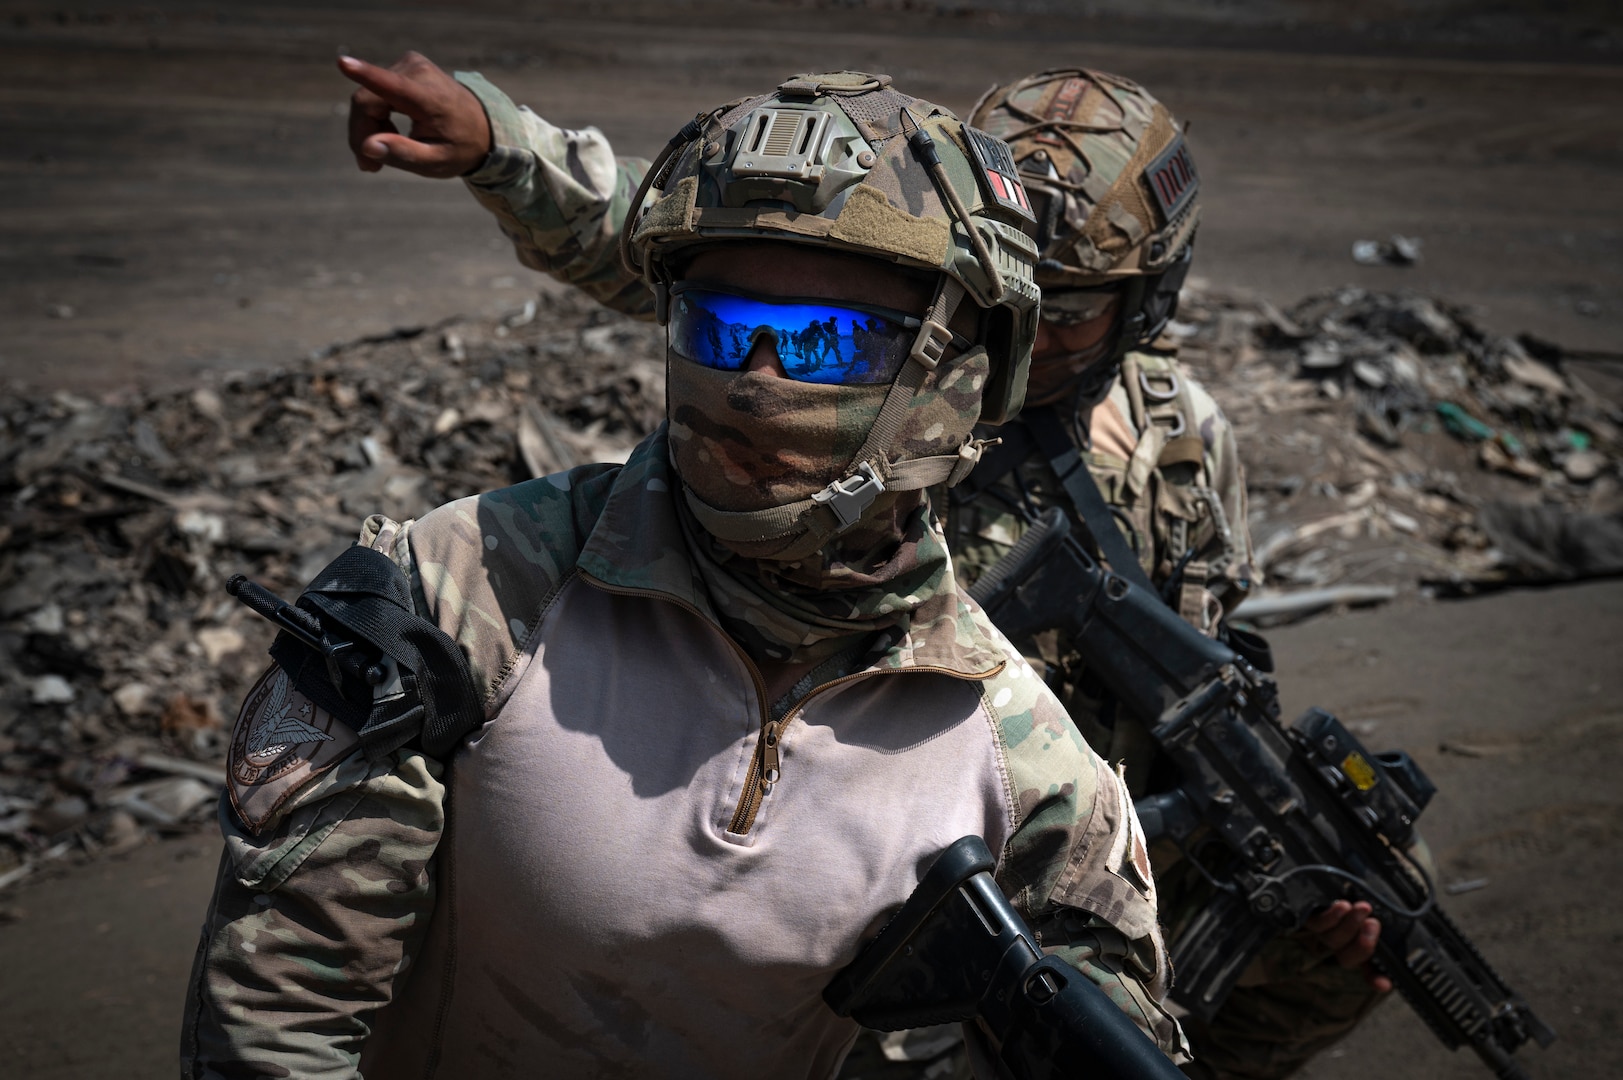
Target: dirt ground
(176,198)
(179,195)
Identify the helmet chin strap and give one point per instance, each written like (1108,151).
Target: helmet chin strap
(805,525)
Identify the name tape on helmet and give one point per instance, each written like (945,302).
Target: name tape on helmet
(1062,108)
(1172,179)
(999,175)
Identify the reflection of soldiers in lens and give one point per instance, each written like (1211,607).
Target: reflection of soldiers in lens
(831,340)
(712,330)
(811,337)
(867,343)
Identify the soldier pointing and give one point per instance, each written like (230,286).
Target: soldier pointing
(1114,192)
(713,710)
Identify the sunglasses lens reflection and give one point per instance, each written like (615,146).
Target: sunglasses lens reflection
(820,343)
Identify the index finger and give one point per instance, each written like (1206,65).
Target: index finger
(401,93)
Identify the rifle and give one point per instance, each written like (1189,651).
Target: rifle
(958,951)
(1280,820)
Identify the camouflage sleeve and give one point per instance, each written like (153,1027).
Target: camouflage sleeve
(1076,864)
(1101,916)
(313,918)
(561,197)
(1292,1002)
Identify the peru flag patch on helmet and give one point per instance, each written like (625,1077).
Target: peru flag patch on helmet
(1172,178)
(999,176)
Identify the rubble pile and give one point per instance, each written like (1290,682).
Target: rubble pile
(122,659)
(1379,433)
(1390,440)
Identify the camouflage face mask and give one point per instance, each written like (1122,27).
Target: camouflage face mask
(749,440)
(744,440)
(1085,375)
(880,575)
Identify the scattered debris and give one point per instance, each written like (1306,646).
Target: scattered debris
(1470,750)
(198,770)
(1395,250)
(1364,420)
(1552,543)
(1378,429)
(122,660)
(1294,605)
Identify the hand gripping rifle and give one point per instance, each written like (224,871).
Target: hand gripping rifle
(958,951)
(1280,820)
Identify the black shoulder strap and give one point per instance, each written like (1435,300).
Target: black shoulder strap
(1048,432)
(428,693)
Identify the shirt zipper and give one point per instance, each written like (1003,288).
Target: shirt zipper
(749,801)
(766,764)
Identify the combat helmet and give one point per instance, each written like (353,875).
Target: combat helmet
(1112,186)
(844,162)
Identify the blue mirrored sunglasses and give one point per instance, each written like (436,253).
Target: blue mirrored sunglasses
(817,341)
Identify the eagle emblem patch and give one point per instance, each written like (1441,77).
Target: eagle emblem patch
(281,742)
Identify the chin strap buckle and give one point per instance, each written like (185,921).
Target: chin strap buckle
(931,344)
(851,497)
(969,455)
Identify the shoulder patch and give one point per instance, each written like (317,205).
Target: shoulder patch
(281,742)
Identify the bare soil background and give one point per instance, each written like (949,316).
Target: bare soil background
(179,196)
(176,200)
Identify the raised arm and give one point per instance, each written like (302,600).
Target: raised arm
(559,195)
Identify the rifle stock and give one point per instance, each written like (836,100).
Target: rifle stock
(958,951)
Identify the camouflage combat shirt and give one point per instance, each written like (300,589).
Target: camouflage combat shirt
(573,885)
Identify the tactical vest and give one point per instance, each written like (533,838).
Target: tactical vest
(1163,490)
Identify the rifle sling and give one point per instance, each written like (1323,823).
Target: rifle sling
(1049,434)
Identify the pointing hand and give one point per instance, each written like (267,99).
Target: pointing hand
(449,136)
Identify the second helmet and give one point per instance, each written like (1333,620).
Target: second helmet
(1112,185)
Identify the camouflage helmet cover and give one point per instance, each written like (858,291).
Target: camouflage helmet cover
(1110,178)
(828,160)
